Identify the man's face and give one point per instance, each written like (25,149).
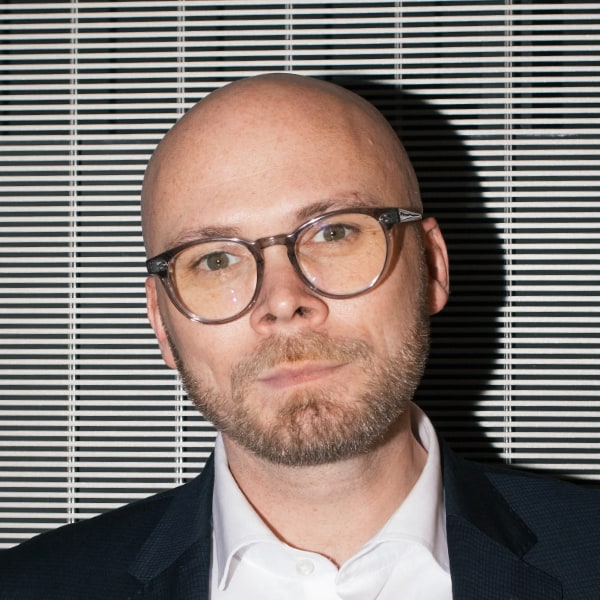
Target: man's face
(299,379)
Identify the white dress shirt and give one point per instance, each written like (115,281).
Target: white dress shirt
(407,559)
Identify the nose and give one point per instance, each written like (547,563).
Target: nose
(284,301)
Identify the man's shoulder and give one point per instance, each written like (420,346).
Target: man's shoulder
(542,530)
(90,558)
(539,497)
(521,487)
(90,554)
(544,501)
(111,527)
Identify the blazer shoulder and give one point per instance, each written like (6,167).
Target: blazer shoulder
(548,504)
(565,517)
(88,559)
(90,554)
(543,502)
(548,524)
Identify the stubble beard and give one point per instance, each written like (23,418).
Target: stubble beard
(315,426)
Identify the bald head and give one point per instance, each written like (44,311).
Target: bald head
(277,128)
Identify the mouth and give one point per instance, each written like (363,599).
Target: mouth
(284,376)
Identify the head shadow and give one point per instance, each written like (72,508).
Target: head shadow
(465,338)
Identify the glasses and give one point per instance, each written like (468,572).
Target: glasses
(339,254)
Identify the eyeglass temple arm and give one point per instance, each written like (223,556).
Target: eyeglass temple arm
(399,215)
(157,266)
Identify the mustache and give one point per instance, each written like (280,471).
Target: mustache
(278,350)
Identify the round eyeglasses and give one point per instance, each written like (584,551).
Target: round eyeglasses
(339,254)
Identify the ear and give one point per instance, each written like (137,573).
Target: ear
(156,321)
(436,257)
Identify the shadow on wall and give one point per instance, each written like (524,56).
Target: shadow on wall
(465,340)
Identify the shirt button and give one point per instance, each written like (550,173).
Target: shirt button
(304,566)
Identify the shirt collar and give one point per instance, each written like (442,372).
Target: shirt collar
(420,518)
(235,523)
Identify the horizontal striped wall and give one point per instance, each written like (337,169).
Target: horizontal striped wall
(498,103)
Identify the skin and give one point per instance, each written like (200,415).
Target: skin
(257,158)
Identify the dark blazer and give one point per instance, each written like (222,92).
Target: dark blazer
(510,536)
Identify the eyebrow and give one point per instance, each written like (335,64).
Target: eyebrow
(348,200)
(306,213)
(211,231)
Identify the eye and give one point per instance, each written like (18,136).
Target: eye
(217,261)
(332,232)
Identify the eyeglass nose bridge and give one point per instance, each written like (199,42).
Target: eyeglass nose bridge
(283,239)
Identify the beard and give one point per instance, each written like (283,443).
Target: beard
(313,426)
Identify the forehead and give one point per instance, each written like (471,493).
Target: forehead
(270,202)
(289,220)
(264,168)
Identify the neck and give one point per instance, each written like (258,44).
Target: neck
(332,509)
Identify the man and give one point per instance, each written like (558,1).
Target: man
(292,279)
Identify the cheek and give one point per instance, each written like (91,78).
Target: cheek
(208,351)
(392,312)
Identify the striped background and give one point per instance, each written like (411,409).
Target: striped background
(498,103)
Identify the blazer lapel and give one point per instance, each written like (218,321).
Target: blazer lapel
(487,540)
(174,562)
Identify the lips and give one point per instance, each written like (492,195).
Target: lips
(289,375)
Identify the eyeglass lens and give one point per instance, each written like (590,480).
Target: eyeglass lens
(338,255)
